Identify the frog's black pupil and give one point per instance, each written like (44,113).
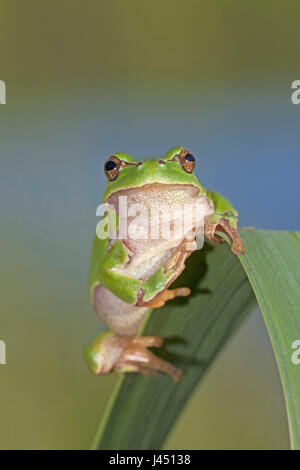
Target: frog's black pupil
(189,157)
(110,165)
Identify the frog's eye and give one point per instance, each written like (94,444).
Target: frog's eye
(112,168)
(187,160)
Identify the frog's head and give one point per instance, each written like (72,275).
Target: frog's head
(175,167)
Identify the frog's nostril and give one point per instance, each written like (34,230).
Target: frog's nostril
(161,162)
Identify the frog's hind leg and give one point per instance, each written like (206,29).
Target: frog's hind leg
(110,351)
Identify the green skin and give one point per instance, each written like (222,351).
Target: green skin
(104,261)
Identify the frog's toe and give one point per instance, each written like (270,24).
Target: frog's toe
(149,341)
(169,294)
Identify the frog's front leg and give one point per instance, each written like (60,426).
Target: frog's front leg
(154,292)
(224,219)
(122,284)
(110,351)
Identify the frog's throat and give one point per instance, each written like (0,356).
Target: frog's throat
(181,191)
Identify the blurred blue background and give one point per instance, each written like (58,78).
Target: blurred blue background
(84,80)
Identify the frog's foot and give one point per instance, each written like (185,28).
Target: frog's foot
(224,225)
(136,357)
(126,354)
(169,294)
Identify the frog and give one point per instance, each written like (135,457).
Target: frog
(130,276)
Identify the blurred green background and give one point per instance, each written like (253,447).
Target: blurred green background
(88,78)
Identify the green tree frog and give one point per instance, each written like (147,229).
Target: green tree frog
(129,274)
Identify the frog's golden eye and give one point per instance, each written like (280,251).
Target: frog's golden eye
(112,168)
(187,160)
